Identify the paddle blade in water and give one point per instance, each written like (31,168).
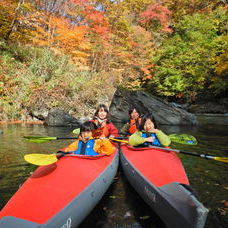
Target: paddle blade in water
(39,139)
(183,139)
(40,159)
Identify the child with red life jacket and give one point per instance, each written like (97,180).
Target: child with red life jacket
(105,128)
(134,121)
(87,145)
(148,134)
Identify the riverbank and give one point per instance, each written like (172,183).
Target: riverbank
(42,122)
(21,121)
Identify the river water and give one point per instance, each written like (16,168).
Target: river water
(121,206)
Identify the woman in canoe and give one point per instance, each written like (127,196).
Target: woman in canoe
(105,128)
(87,145)
(134,121)
(148,134)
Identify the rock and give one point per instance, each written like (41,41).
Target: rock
(39,114)
(164,112)
(59,118)
(209,107)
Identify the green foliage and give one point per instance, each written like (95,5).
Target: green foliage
(45,80)
(46,66)
(186,61)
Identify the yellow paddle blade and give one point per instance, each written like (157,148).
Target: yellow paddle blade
(40,159)
(222,159)
(76,131)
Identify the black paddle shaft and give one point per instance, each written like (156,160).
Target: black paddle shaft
(185,152)
(66,138)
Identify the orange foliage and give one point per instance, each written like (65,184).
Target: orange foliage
(156,12)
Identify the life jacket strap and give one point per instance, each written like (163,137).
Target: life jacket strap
(83,148)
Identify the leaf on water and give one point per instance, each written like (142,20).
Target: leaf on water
(222,211)
(112,197)
(127,214)
(225,203)
(144,217)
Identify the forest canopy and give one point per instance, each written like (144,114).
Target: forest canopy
(56,52)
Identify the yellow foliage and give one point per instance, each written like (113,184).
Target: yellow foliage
(222,64)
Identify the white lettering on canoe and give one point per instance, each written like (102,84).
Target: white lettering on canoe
(151,195)
(67,224)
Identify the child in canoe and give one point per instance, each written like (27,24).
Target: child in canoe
(134,121)
(87,145)
(105,128)
(148,134)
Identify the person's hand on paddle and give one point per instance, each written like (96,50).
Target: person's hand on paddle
(150,139)
(60,154)
(112,136)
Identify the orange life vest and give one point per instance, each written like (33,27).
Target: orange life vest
(133,125)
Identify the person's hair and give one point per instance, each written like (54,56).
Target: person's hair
(88,126)
(100,106)
(146,117)
(132,109)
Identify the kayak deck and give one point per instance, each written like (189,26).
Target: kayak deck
(52,188)
(158,166)
(160,179)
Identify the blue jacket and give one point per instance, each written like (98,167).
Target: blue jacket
(154,143)
(86,148)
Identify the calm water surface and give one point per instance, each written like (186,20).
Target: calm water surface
(121,207)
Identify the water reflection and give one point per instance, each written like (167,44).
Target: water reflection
(121,206)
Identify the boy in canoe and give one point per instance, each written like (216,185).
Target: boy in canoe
(87,144)
(148,134)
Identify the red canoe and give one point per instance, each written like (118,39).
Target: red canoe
(61,194)
(159,177)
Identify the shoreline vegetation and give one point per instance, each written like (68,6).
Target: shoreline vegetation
(21,121)
(38,122)
(73,55)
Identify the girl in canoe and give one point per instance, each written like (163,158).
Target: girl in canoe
(148,134)
(87,145)
(105,128)
(134,121)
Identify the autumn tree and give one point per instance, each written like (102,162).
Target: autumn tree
(156,18)
(186,61)
(14,25)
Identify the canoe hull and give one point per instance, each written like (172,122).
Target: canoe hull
(173,202)
(78,207)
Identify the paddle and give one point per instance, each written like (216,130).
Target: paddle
(48,159)
(207,156)
(177,138)
(40,159)
(42,139)
(183,139)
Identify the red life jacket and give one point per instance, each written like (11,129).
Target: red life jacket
(106,130)
(100,132)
